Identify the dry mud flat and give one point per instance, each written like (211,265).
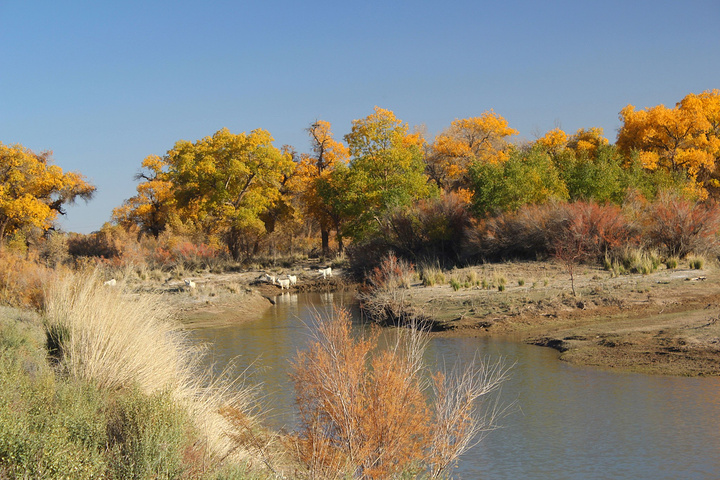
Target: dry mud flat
(661,323)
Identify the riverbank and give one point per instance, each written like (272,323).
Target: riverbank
(663,322)
(226,298)
(659,323)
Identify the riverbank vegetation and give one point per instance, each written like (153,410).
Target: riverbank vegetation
(99,385)
(102,383)
(230,201)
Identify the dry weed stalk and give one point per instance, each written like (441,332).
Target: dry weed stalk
(366,412)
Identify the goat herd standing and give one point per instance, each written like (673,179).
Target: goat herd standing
(291,280)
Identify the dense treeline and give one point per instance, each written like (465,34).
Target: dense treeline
(387,188)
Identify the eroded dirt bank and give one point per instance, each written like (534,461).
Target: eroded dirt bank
(662,323)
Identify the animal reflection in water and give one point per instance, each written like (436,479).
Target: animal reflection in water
(287,298)
(326,298)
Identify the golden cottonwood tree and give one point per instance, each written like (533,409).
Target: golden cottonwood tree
(554,142)
(227,181)
(583,143)
(32,191)
(685,138)
(312,171)
(386,170)
(468,140)
(151,208)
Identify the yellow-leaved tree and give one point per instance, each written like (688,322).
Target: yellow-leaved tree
(386,170)
(33,191)
(226,182)
(583,143)
(315,169)
(151,208)
(685,138)
(468,140)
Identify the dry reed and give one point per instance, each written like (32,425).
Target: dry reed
(117,341)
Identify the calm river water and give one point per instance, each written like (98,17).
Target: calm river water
(568,423)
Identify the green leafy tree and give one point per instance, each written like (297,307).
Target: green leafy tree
(527,177)
(386,170)
(226,182)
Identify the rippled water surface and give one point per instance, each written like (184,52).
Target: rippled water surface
(568,422)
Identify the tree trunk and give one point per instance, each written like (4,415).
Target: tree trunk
(340,243)
(325,235)
(3,226)
(233,243)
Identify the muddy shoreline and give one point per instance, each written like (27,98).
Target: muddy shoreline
(664,323)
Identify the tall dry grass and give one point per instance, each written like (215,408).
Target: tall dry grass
(119,341)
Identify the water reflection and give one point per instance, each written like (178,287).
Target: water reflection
(571,423)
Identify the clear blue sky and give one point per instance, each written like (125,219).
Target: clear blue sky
(105,83)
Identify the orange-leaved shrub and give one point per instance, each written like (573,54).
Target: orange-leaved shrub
(22,280)
(679,226)
(391,274)
(368,412)
(187,254)
(539,230)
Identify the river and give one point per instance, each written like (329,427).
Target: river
(567,422)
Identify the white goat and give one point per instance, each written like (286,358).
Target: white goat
(293,279)
(270,278)
(190,284)
(284,283)
(110,283)
(325,272)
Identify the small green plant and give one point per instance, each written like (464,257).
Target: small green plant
(696,263)
(431,275)
(671,262)
(521,282)
(455,284)
(636,260)
(501,288)
(498,280)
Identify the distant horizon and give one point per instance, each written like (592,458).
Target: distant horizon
(103,85)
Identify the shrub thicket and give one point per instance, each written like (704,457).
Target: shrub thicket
(678,226)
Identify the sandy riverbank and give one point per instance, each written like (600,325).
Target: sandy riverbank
(661,323)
